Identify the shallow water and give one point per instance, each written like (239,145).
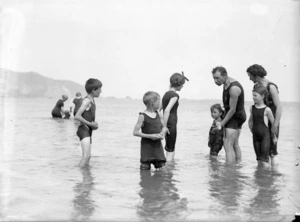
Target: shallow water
(40,179)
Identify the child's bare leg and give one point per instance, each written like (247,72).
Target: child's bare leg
(86,151)
(170,155)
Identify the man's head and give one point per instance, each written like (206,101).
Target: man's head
(220,75)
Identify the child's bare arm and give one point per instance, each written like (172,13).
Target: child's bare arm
(168,109)
(270,116)
(250,121)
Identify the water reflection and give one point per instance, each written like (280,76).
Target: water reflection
(265,202)
(159,196)
(225,186)
(84,205)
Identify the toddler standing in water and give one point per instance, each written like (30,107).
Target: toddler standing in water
(169,106)
(260,116)
(215,141)
(151,126)
(86,116)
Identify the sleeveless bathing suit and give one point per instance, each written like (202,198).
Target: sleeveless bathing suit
(239,117)
(261,135)
(89,115)
(270,103)
(151,150)
(172,121)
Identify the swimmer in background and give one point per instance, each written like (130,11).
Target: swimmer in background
(58,110)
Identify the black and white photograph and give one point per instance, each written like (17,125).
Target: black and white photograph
(150,110)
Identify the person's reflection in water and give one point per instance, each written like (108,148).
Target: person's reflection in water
(265,203)
(84,205)
(225,186)
(159,196)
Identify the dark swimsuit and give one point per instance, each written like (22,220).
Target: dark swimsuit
(56,112)
(172,121)
(215,141)
(89,115)
(261,135)
(152,150)
(239,117)
(77,102)
(269,102)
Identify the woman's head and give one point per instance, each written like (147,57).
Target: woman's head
(255,71)
(151,100)
(177,80)
(216,111)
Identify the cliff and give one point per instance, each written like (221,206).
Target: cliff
(31,84)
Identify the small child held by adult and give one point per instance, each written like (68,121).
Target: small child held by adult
(86,115)
(170,105)
(149,127)
(260,117)
(215,141)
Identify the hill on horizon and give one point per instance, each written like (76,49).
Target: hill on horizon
(32,84)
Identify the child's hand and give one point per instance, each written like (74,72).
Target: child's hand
(157,136)
(94,125)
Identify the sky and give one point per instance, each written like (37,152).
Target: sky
(134,46)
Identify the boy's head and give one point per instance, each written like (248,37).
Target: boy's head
(151,99)
(216,111)
(177,80)
(78,94)
(92,84)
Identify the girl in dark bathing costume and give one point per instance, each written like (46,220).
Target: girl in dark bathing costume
(169,106)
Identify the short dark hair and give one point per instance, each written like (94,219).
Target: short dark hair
(92,84)
(221,70)
(177,80)
(150,98)
(218,107)
(257,70)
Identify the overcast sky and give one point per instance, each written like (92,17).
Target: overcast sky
(134,46)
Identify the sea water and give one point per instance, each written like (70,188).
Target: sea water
(40,179)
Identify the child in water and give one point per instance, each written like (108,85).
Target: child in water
(86,116)
(260,116)
(215,141)
(169,106)
(150,124)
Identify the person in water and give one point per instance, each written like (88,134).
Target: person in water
(149,127)
(76,103)
(235,115)
(260,116)
(58,110)
(215,141)
(257,75)
(170,103)
(86,114)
